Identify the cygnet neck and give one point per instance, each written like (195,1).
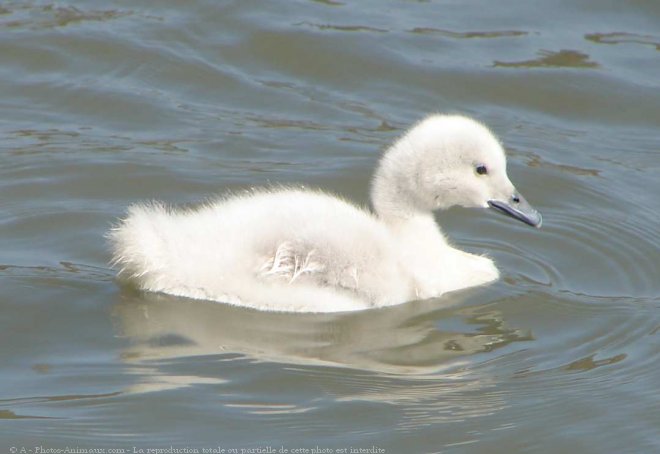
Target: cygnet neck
(393,194)
(392,204)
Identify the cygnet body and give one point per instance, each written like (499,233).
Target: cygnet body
(291,249)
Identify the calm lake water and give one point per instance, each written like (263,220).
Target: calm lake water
(104,103)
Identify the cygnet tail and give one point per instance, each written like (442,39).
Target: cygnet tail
(139,248)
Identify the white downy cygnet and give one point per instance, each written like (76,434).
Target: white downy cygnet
(297,250)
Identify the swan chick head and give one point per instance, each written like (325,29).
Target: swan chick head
(445,161)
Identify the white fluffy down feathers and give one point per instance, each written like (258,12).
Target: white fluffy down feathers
(291,249)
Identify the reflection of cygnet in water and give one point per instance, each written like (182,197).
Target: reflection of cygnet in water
(306,251)
(403,339)
(421,358)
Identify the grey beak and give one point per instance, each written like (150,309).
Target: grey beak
(518,208)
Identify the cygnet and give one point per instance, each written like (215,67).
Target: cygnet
(292,249)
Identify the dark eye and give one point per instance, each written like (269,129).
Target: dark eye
(481,169)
